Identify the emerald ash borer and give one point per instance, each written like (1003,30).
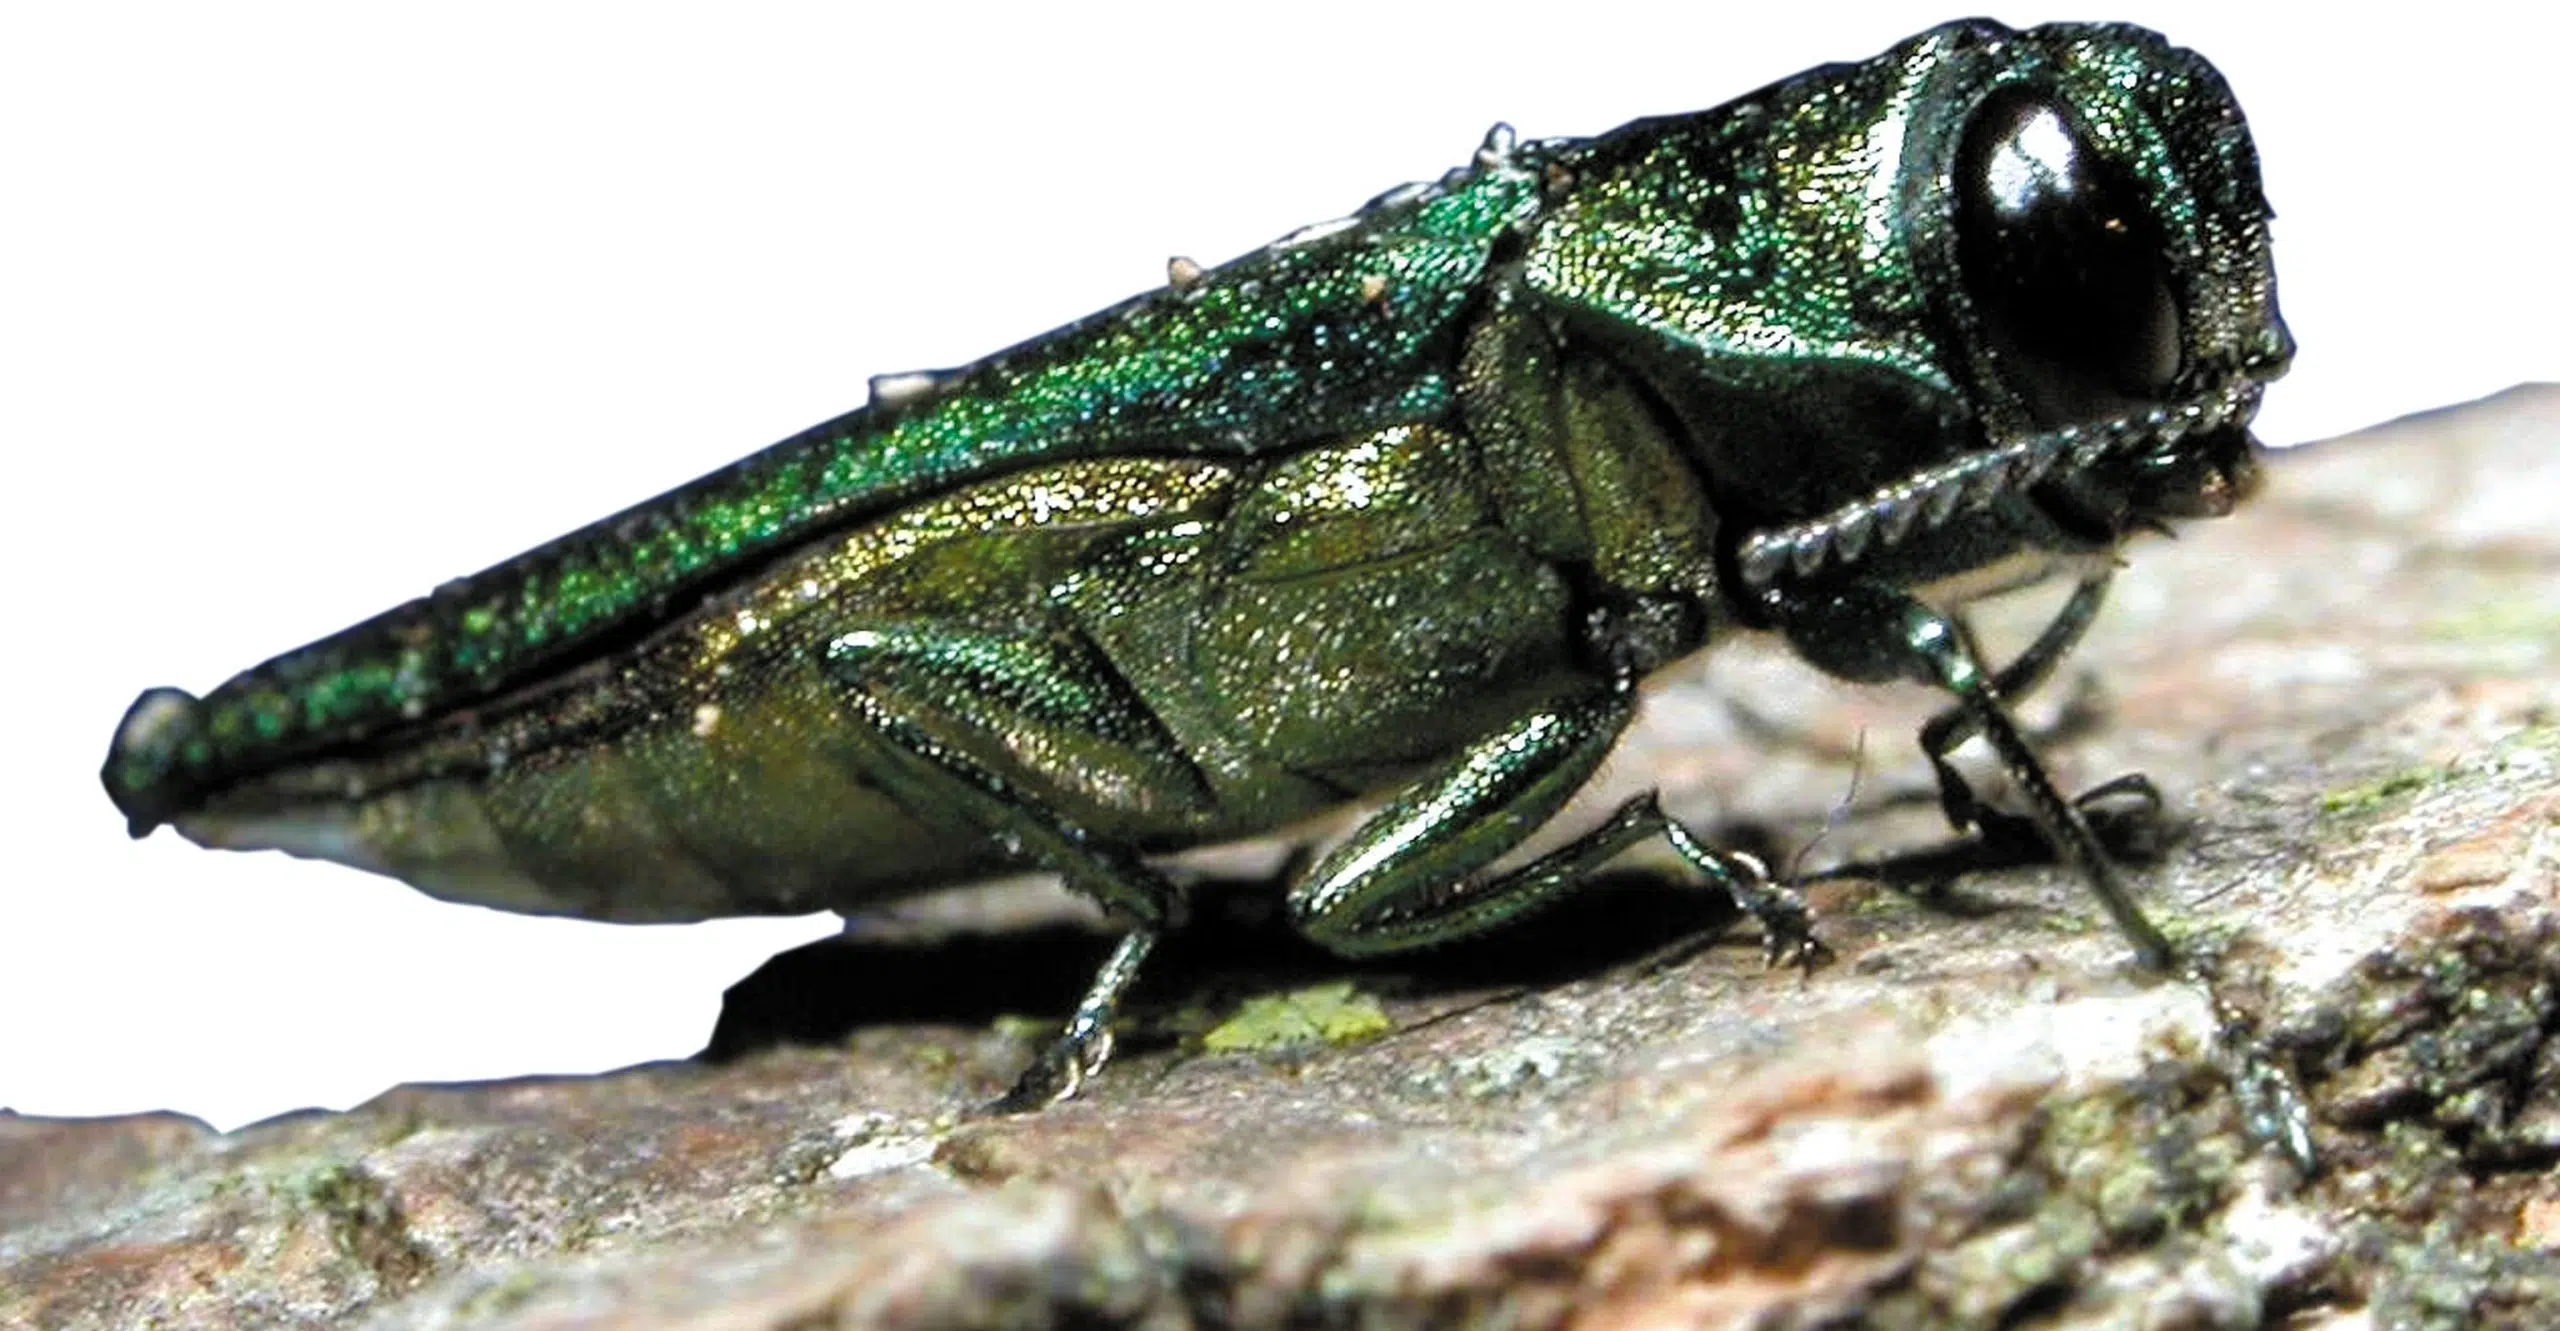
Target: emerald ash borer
(1399,508)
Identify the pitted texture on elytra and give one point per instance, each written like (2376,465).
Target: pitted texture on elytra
(1338,330)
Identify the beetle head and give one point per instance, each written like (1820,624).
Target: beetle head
(2096,199)
(1990,290)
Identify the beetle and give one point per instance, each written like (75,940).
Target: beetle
(1400,508)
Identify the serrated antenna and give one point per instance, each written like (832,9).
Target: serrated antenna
(1930,498)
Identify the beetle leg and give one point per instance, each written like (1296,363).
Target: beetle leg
(1873,633)
(1966,812)
(1952,727)
(994,728)
(2015,681)
(1409,877)
(1080,1050)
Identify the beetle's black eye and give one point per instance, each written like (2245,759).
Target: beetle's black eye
(2063,262)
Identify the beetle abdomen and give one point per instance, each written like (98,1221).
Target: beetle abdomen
(719,767)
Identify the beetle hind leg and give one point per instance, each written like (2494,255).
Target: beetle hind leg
(1079,1051)
(995,730)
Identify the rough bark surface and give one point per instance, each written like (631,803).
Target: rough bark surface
(1981,1116)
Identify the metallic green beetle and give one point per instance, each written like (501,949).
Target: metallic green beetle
(1402,505)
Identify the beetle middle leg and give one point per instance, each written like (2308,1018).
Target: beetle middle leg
(1409,877)
(996,729)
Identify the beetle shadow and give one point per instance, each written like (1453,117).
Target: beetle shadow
(2132,833)
(1238,943)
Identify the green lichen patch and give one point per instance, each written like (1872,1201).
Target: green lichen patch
(2529,752)
(1325,1014)
(2499,621)
(2365,797)
(363,1219)
(1024,1029)
(503,1295)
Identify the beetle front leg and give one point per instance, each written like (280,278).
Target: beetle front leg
(1408,877)
(1873,633)
(1965,811)
(992,728)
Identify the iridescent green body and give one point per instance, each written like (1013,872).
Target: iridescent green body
(1401,504)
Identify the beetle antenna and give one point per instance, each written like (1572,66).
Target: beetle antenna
(1931,497)
(1839,815)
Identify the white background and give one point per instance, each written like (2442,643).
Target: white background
(304,309)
